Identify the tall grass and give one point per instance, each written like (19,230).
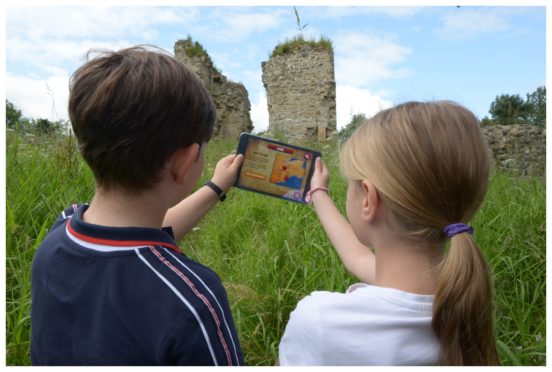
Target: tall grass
(270,253)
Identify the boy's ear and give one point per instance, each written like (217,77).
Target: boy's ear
(370,201)
(182,160)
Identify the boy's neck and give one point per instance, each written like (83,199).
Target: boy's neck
(122,210)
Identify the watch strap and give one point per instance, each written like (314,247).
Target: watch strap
(221,194)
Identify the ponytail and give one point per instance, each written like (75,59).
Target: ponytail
(462,309)
(430,163)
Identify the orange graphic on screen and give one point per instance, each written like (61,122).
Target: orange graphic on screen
(288,171)
(275,169)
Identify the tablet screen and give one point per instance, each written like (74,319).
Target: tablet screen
(276,169)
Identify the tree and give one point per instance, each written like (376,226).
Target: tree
(46,127)
(16,120)
(486,122)
(509,109)
(537,101)
(356,121)
(13,115)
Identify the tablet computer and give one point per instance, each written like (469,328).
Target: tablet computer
(275,168)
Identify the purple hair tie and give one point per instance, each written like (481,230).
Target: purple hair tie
(457,228)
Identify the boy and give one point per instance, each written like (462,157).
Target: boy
(109,284)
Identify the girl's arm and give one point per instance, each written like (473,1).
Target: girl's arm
(186,214)
(356,257)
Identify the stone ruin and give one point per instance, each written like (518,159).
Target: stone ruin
(519,148)
(300,90)
(230,98)
(300,87)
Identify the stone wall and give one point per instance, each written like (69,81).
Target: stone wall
(520,148)
(300,90)
(230,98)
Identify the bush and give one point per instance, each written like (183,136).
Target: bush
(356,121)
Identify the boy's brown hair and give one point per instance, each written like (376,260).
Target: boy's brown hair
(131,110)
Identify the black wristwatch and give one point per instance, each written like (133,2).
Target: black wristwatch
(221,194)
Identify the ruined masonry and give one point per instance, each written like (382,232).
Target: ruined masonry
(300,90)
(520,148)
(230,98)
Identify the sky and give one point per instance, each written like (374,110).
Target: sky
(383,55)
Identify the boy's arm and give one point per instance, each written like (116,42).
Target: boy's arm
(356,257)
(186,214)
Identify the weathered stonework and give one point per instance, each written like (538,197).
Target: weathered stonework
(230,98)
(520,148)
(300,90)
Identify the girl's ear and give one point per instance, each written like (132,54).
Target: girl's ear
(370,201)
(182,160)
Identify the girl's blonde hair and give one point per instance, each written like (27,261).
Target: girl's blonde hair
(430,165)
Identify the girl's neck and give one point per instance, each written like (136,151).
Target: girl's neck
(408,268)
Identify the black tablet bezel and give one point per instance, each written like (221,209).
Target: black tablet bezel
(242,146)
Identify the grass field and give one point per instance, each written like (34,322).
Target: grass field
(270,253)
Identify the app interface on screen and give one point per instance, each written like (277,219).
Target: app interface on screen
(275,169)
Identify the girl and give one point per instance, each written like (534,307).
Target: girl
(417,173)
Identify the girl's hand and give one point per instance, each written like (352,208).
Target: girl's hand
(320,176)
(226,171)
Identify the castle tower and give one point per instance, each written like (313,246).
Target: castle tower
(300,90)
(230,98)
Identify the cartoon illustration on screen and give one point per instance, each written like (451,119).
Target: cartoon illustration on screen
(275,169)
(288,172)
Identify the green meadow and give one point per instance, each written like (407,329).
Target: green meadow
(270,253)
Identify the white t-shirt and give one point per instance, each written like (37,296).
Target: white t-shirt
(367,325)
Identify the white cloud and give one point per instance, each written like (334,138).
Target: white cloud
(100,22)
(49,55)
(39,98)
(239,23)
(351,100)
(362,59)
(43,37)
(252,79)
(468,23)
(259,113)
(334,12)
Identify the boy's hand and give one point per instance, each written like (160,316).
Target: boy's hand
(320,176)
(226,171)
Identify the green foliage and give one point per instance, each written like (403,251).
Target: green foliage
(355,122)
(296,42)
(537,101)
(486,122)
(196,49)
(40,181)
(511,230)
(15,120)
(46,127)
(509,109)
(290,45)
(13,115)
(270,253)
